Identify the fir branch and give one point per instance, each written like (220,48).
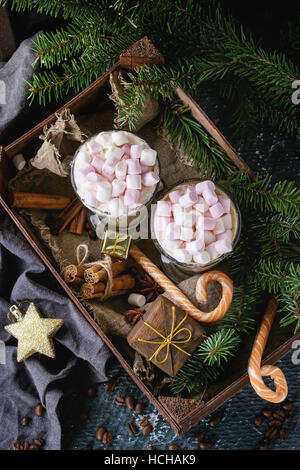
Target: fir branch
(278,276)
(290,306)
(283,197)
(218,347)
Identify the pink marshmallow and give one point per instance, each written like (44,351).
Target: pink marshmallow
(94,147)
(195,247)
(173,231)
(136,150)
(94,177)
(174,196)
(227,235)
(204,185)
(133,166)
(222,246)
(131,197)
(161,223)
(108,172)
(225,201)
(118,187)
(209,237)
(210,197)
(97,163)
(189,198)
(217,210)
(163,208)
(127,149)
(209,223)
(112,161)
(86,169)
(90,198)
(150,178)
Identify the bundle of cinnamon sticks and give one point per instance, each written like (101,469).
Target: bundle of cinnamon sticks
(92,279)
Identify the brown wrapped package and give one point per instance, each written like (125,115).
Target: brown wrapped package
(166,336)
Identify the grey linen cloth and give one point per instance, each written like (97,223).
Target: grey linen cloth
(81,355)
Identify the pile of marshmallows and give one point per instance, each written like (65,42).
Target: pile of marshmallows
(194,224)
(115,172)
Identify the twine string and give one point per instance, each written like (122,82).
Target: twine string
(168,341)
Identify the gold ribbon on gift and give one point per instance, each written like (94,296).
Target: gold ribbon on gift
(168,341)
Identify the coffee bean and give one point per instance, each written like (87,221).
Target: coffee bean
(100,433)
(130,402)
(16,445)
(25,421)
(119,401)
(39,409)
(287,405)
(173,447)
(91,392)
(107,438)
(279,414)
(131,428)
(39,441)
(144,422)
(151,448)
(147,429)
(110,386)
(26,445)
(288,418)
(275,422)
(21,445)
(139,408)
(215,421)
(83,416)
(88,447)
(199,437)
(205,445)
(258,420)
(34,447)
(284,434)
(263,446)
(267,412)
(271,432)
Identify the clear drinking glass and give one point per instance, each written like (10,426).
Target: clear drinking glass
(102,219)
(178,270)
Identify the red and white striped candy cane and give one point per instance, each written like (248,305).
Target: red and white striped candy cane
(180,298)
(256,372)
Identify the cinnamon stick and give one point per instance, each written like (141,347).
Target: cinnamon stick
(73,274)
(97,273)
(122,283)
(77,224)
(20,200)
(58,224)
(114,293)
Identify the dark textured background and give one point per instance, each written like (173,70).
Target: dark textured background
(269,152)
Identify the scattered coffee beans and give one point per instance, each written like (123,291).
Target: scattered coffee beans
(215,421)
(271,432)
(16,445)
(199,437)
(119,401)
(284,434)
(107,438)
(288,405)
(25,421)
(279,414)
(130,402)
(147,429)
(39,409)
(100,433)
(275,422)
(83,416)
(39,441)
(131,428)
(258,420)
(144,422)
(34,447)
(205,445)
(263,446)
(110,386)
(267,412)
(151,448)
(88,447)
(173,447)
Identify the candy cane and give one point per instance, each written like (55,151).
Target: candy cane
(180,298)
(256,372)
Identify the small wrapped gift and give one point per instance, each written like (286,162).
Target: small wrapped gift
(166,336)
(115,244)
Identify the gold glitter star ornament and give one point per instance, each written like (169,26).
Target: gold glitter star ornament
(33,332)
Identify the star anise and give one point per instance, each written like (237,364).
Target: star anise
(134,315)
(148,287)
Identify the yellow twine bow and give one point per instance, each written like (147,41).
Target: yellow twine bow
(116,243)
(168,340)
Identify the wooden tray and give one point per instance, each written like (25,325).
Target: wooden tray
(181,414)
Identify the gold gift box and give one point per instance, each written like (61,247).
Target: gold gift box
(115,244)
